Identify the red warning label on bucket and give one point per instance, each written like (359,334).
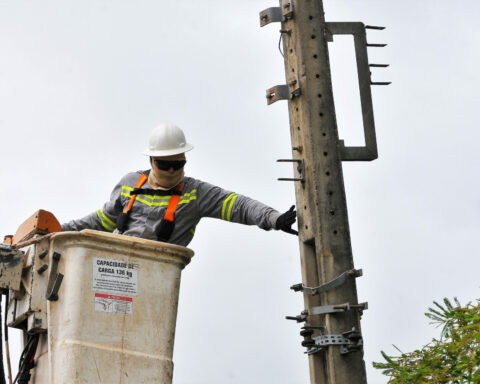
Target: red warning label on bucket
(113,304)
(115,277)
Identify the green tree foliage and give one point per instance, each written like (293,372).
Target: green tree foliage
(452,359)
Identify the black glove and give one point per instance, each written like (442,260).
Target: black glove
(285,221)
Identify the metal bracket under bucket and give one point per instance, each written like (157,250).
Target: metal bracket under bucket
(54,279)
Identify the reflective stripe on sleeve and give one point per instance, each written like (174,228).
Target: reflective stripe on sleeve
(228,206)
(108,224)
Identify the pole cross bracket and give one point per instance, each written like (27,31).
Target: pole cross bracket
(349,342)
(283,92)
(327,286)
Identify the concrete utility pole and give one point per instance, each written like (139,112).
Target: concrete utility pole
(332,312)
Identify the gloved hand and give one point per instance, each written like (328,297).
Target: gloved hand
(285,221)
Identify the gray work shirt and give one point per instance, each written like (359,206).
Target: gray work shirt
(199,199)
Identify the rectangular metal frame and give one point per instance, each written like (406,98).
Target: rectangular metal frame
(369,151)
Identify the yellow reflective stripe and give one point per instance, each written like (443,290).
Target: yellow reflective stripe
(164,203)
(192,230)
(155,197)
(190,195)
(127,188)
(192,192)
(225,205)
(231,206)
(104,220)
(186,201)
(150,203)
(113,224)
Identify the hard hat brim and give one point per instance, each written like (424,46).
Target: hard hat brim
(168,152)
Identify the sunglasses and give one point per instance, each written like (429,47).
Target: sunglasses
(165,165)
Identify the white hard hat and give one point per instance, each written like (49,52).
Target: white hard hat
(167,140)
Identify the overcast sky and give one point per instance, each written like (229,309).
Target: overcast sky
(82,83)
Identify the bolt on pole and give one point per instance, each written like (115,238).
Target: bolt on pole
(332,333)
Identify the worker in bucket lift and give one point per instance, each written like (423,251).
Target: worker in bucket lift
(165,205)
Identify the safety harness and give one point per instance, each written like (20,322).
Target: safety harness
(167,224)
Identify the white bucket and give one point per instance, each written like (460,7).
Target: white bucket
(114,320)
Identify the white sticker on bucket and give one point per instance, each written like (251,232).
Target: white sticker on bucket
(115,277)
(121,305)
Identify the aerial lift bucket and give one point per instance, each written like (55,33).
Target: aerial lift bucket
(104,307)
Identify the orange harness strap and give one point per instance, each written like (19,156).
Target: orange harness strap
(173,204)
(140,182)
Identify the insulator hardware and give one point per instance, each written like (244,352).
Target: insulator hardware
(379,65)
(376,45)
(349,341)
(380,82)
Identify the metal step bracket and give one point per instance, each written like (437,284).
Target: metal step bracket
(283,92)
(300,170)
(327,286)
(369,151)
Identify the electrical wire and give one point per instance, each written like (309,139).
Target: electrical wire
(7,348)
(2,368)
(280,44)
(26,362)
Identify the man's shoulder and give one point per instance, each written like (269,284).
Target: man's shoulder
(193,183)
(132,177)
(190,181)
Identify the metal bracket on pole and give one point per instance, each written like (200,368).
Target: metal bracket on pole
(283,92)
(369,151)
(271,15)
(277,14)
(328,309)
(349,341)
(300,169)
(300,318)
(328,286)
